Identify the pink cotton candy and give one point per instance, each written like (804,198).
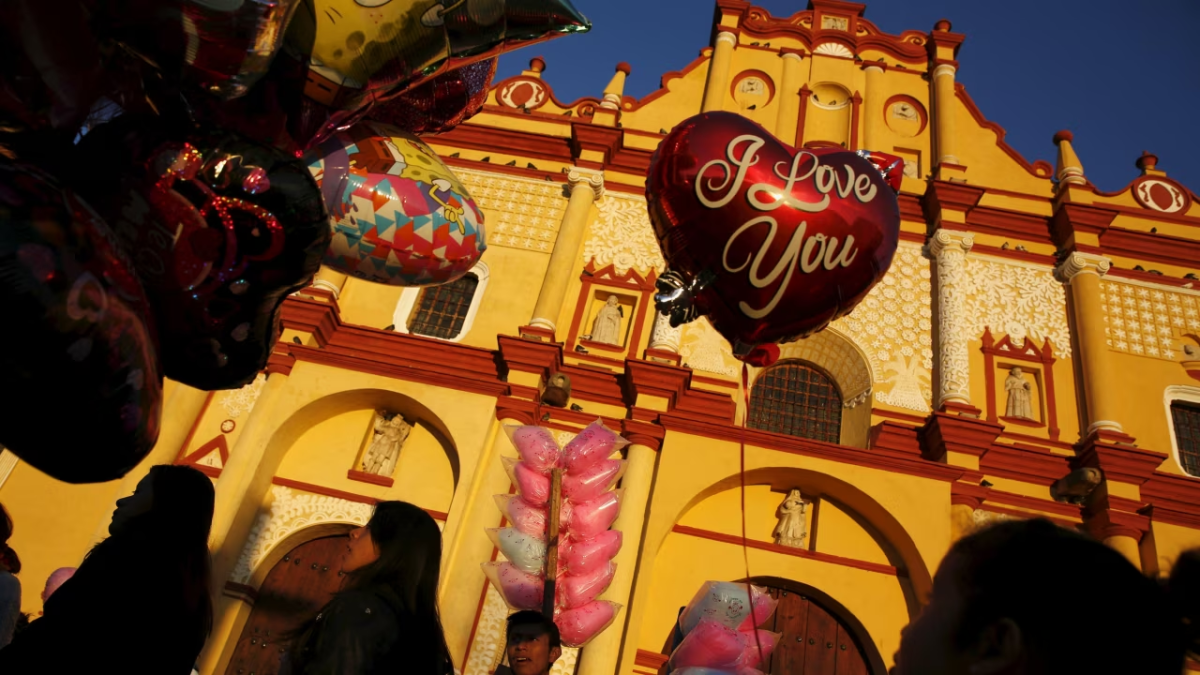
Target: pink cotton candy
(710,644)
(533,486)
(595,443)
(578,626)
(577,590)
(521,590)
(589,483)
(764,607)
(591,518)
(531,519)
(750,657)
(583,557)
(536,445)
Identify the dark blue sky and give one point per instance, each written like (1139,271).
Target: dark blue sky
(1124,76)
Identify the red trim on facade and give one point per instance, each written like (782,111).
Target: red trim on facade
(1024,463)
(908,46)
(187,441)
(1016,513)
(373,479)
(217,443)
(631,284)
(896,414)
(1039,168)
(1175,499)
(945,432)
(339,494)
(855,112)
(805,93)
(788,550)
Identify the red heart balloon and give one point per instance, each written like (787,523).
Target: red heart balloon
(782,241)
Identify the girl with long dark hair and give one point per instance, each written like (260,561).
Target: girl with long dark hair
(385,619)
(140,601)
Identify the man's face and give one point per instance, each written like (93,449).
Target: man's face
(529,651)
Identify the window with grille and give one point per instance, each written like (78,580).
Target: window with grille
(1186,417)
(796,399)
(441,310)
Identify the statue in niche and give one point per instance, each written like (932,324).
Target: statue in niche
(390,433)
(1019,402)
(607,326)
(793,527)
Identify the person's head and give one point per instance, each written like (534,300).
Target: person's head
(400,547)
(1028,597)
(57,578)
(532,643)
(9,561)
(165,524)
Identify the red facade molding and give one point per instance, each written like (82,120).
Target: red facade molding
(1029,353)
(788,550)
(1039,168)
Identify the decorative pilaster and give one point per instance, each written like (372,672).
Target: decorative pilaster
(943,92)
(603,654)
(586,188)
(789,96)
(718,72)
(330,280)
(1081,272)
(872,108)
(665,338)
(950,249)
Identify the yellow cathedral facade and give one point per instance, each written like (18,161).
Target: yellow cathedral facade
(1034,350)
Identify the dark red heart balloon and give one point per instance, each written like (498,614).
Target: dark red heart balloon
(779,241)
(77,356)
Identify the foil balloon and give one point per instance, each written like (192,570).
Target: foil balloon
(77,356)
(221,231)
(770,242)
(218,46)
(399,216)
(442,103)
(354,53)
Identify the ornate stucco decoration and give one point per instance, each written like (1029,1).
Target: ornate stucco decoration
(838,356)
(521,213)
(1146,320)
(1018,299)
(623,237)
(703,348)
(238,402)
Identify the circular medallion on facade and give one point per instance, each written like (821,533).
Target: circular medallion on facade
(1161,195)
(228,426)
(523,92)
(753,88)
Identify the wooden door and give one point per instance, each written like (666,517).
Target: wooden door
(814,642)
(294,591)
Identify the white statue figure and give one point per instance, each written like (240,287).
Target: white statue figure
(390,432)
(793,528)
(607,327)
(1018,389)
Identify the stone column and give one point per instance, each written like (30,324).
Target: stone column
(962,515)
(944,107)
(1126,543)
(602,655)
(1081,272)
(665,338)
(179,414)
(718,72)
(464,580)
(586,188)
(789,97)
(872,109)
(330,280)
(950,249)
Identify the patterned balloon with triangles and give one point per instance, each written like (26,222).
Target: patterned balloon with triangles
(399,216)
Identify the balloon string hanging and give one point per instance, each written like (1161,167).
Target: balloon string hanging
(745,387)
(552,543)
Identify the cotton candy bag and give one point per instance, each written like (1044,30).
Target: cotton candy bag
(520,590)
(577,590)
(528,518)
(709,644)
(595,443)
(764,606)
(525,551)
(533,486)
(578,626)
(591,518)
(536,446)
(582,557)
(723,601)
(589,483)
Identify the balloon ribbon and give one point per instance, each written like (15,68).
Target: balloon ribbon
(745,542)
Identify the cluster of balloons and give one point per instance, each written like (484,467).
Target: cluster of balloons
(589,507)
(720,634)
(171,170)
(770,242)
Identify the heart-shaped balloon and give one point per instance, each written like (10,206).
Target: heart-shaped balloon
(220,230)
(770,242)
(77,356)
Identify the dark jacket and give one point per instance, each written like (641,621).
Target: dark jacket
(113,616)
(367,632)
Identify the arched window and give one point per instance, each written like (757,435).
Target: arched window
(1185,418)
(796,399)
(442,310)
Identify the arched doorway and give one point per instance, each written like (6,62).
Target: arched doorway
(293,592)
(818,635)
